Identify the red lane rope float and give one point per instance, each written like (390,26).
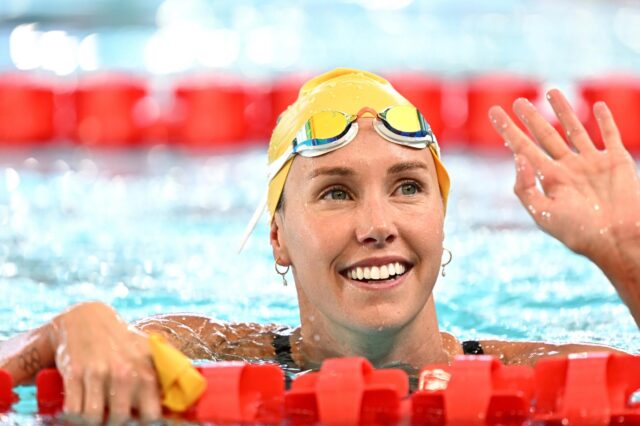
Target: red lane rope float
(484,92)
(622,95)
(347,391)
(474,390)
(209,112)
(26,110)
(594,389)
(7,396)
(108,110)
(584,389)
(239,392)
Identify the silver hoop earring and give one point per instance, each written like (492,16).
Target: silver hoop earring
(448,260)
(282,273)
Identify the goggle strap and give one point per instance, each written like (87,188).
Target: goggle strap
(254,221)
(275,167)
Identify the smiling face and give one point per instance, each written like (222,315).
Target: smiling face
(371,209)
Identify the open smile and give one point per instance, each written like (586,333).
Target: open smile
(377,273)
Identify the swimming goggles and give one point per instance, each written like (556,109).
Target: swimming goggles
(326,131)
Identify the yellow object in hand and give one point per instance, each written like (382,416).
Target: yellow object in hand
(181,383)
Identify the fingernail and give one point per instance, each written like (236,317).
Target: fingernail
(497,118)
(521,105)
(599,109)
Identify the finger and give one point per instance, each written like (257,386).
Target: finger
(120,394)
(573,128)
(545,133)
(517,140)
(95,380)
(527,192)
(73,393)
(149,396)
(607,125)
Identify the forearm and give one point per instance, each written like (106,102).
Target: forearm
(622,268)
(26,354)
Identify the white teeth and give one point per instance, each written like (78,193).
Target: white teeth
(375,273)
(382,272)
(392,269)
(366,272)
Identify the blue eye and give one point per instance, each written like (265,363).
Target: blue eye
(336,194)
(409,188)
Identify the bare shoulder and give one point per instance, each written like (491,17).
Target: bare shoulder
(450,344)
(527,353)
(203,337)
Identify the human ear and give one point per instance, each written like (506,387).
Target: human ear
(278,245)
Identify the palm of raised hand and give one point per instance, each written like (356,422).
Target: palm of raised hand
(590,198)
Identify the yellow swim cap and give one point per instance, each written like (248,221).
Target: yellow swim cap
(345,90)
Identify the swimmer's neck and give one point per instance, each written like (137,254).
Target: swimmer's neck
(418,343)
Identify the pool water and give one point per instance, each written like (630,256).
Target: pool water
(154,231)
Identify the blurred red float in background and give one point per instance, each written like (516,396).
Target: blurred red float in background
(484,92)
(209,111)
(26,110)
(622,95)
(109,110)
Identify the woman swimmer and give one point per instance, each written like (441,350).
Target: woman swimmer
(358,214)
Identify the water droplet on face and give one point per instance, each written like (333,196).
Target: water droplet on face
(596,207)
(316,337)
(540,175)
(546,215)
(504,125)
(603,231)
(531,209)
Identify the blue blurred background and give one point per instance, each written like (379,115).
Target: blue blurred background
(557,39)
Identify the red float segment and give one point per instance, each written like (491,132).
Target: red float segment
(593,389)
(473,390)
(109,110)
(622,95)
(482,94)
(26,110)
(347,391)
(426,94)
(49,391)
(209,112)
(7,396)
(258,112)
(240,392)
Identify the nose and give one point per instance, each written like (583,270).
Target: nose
(376,227)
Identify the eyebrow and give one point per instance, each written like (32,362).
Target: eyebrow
(403,167)
(345,171)
(331,171)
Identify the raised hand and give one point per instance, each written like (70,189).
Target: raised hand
(587,198)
